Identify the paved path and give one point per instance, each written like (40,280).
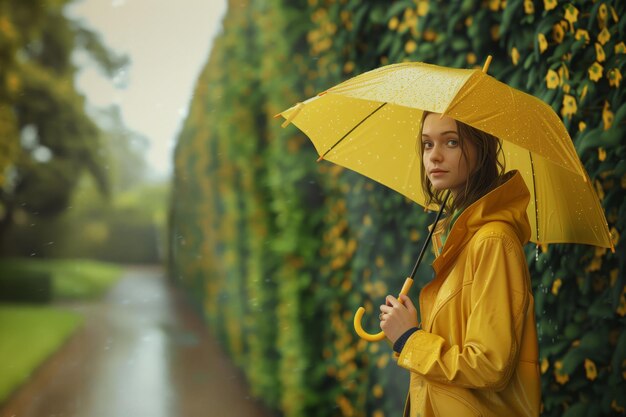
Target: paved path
(143,352)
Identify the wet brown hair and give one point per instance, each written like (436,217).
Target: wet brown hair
(487,175)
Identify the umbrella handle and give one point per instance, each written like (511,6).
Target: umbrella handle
(359,315)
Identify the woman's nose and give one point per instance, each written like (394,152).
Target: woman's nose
(435,153)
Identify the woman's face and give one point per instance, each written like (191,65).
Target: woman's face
(443,159)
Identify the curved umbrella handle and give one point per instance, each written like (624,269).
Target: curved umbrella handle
(359,315)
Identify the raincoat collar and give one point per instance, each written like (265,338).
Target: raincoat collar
(506,203)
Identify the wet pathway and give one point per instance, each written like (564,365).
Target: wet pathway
(142,353)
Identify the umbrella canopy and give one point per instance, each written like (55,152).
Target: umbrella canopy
(370,124)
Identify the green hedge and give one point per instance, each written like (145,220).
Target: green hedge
(69,278)
(281,250)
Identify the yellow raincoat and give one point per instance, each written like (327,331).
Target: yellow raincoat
(477,354)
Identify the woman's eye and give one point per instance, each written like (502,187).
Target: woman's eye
(427,145)
(453,142)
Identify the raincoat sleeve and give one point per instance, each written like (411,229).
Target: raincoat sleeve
(498,298)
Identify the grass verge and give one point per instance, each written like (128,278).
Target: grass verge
(29,336)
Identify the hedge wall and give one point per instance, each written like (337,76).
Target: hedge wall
(280,250)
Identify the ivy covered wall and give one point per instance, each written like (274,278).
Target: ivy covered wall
(279,250)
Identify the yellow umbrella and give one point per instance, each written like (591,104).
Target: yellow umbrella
(370,124)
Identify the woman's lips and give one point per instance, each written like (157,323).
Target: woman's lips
(437,173)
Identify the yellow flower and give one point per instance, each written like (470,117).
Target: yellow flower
(373,347)
(582,126)
(571,13)
(561,378)
(543,43)
(558,33)
(549,4)
(468,21)
(615,406)
(382,361)
(590,370)
(410,47)
(607,116)
(393,23)
(595,72)
(348,67)
(378,413)
(544,365)
(345,406)
(380,261)
(430,35)
(601,154)
(569,106)
(566,88)
(581,33)
(602,15)
(377,390)
(494,5)
(422,8)
(600,56)
(471,58)
(515,55)
(415,235)
(620,48)
(529,6)
(556,285)
(552,79)
(604,36)
(615,76)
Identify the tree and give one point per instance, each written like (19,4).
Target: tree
(46,137)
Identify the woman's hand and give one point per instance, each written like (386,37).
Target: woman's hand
(395,318)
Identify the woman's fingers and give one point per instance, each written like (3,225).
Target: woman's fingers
(408,303)
(392,301)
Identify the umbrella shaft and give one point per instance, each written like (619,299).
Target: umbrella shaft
(430,234)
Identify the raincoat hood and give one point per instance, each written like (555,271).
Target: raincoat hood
(506,203)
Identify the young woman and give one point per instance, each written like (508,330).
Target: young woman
(475,352)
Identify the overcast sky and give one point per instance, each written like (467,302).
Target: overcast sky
(168,42)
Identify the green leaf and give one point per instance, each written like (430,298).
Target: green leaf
(460,44)
(577,410)
(619,354)
(572,360)
(398,8)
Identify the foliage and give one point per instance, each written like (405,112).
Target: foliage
(47,139)
(281,250)
(71,278)
(126,226)
(29,336)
